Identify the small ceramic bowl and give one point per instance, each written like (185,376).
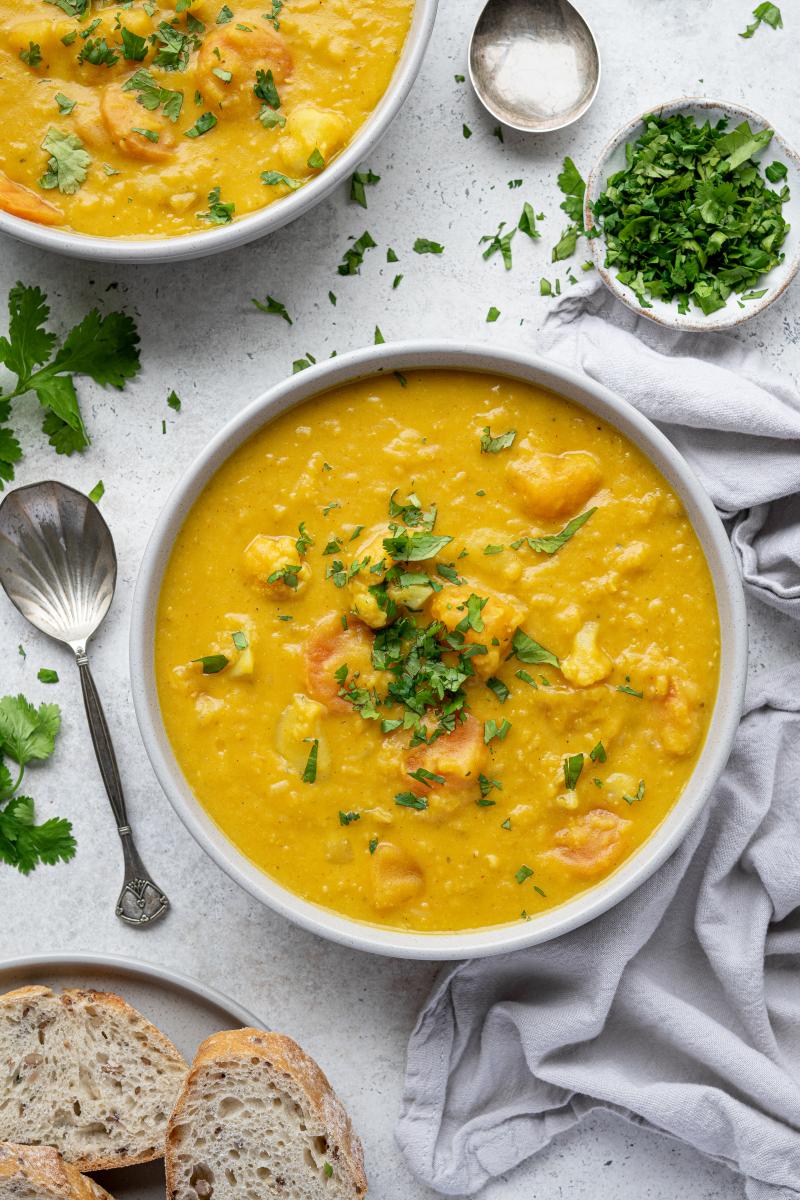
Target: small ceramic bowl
(409,356)
(612,159)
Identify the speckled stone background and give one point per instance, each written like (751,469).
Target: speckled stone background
(202,336)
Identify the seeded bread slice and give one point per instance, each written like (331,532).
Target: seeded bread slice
(84,1072)
(257,1118)
(40,1173)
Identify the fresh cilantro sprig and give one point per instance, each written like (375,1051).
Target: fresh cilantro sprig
(104,348)
(28,735)
(690,217)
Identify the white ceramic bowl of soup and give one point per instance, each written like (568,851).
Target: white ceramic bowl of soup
(264,220)
(642,863)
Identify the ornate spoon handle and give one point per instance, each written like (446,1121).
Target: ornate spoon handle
(141,901)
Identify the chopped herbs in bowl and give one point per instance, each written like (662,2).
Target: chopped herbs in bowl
(692,215)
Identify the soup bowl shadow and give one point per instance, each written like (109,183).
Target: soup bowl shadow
(409,356)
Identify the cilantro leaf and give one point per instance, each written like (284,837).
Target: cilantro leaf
(271,305)
(27,733)
(28,344)
(550,543)
(493,445)
(24,845)
(767,13)
(529,651)
(68,163)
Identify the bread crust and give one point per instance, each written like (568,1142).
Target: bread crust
(45,1169)
(72,998)
(285,1057)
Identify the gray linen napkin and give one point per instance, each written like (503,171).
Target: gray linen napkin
(678,1008)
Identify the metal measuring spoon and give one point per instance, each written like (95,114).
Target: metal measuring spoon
(534,63)
(59,568)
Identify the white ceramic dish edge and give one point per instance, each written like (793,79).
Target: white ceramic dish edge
(612,159)
(31,965)
(145,251)
(733,667)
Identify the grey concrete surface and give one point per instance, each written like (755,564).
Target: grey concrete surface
(202,336)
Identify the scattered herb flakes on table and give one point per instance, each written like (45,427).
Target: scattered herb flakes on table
(690,217)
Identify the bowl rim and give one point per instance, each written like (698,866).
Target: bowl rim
(443,355)
(182,247)
(725,318)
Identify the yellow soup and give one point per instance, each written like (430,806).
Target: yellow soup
(156,119)
(459,650)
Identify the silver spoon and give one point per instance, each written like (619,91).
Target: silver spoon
(534,63)
(59,568)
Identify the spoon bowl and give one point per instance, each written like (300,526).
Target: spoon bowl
(58,568)
(534,64)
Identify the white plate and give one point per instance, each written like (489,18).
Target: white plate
(185,1010)
(612,159)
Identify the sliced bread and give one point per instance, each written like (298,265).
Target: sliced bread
(257,1118)
(86,1073)
(40,1173)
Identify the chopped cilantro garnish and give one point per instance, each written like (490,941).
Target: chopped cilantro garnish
(310,771)
(493,445)
(134,47)
(47,675)
(499,243)
(424,246)
(224,15)
(411,800)
(65,105)
(598,754)
(487,785)
(499,688)
(690,217)
(492,730)
(33,55)
(426,777)
(354,256)
(219,212)
(629,691)
(347,818)
(466,131)
(523,873)
(271,305)
(358,182)
(151,95)
(275,179)
(264,88)
(527,221)
(98,52)
(212,663)
(529,651)
(767,14)
(97,492)
(203,124)
(639,794)
(315,160)
(68,164)
(550,543)
(573,765)
(492,315)
(373,845)
(174,47)
(526,678)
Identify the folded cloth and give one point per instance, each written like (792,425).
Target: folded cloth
(677,1009)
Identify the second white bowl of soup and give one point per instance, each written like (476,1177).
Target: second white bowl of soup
(439,651)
